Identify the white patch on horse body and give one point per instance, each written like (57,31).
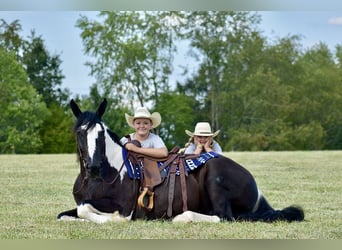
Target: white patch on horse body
(256,205)
(93,134)
(190,216)
(114,155)
(88,212)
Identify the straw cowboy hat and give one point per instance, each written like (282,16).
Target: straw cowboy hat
(202,129)
(142,112)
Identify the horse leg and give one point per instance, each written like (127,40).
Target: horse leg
(190,216)
(105,205)
(70,215)
(219,199)
(88,212)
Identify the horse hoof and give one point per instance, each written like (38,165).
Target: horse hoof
(69,218)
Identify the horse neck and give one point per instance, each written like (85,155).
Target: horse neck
(114,154)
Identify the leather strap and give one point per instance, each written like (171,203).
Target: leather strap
(183,185)
(170,160)
(172,177)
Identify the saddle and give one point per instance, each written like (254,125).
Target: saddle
(151,176)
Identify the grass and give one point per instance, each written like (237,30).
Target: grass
(35,188)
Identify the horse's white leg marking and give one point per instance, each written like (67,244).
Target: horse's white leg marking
(88,212)
(70,218)
(190,216)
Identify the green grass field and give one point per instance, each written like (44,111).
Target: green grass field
(35,188)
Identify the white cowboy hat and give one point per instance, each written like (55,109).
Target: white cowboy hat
(142,112)
(202,129)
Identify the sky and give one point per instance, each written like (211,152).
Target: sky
(57,29)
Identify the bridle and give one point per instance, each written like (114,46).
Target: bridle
(83,162)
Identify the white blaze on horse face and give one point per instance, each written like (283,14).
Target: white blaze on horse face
(93,134)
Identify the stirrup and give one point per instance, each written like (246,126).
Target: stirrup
(142,196)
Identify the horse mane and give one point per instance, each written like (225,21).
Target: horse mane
(114,137)
(87,118)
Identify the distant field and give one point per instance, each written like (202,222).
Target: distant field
(35,188)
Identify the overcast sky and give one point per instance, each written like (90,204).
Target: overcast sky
(58,30)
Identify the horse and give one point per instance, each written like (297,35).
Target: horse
(105,190)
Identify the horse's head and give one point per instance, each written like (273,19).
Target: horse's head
(90,137)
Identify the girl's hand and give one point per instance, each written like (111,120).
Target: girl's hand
(208,144)
(131,147)
(196,141)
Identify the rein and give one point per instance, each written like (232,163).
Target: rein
(117,176)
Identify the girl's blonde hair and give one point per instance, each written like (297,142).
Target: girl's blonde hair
(191,140)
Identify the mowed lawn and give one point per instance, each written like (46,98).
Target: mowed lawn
(35,188)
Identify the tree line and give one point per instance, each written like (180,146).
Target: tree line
(262,94)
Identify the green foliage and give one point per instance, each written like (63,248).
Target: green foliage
(275,135)
(177,112)
(262,94)
(22,110)
(56,132)
(9,35)
(43,70)
(320,93)
(132,52)
(45,76)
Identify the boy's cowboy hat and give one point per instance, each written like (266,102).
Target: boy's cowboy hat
(202,129)
(142,112)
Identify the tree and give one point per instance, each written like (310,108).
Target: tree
(22,109)
(56,131)
(177,115)
(261,95)
(319,95)
(44,70)
(44,74)
(132,52)
(215,38)
(9,35)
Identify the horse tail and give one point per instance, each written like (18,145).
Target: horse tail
(292,213)
(264,212)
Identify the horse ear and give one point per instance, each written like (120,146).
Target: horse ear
(75,109)
(102,108)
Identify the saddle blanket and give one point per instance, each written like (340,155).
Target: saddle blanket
(190,164)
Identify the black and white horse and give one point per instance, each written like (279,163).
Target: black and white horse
(105,189)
